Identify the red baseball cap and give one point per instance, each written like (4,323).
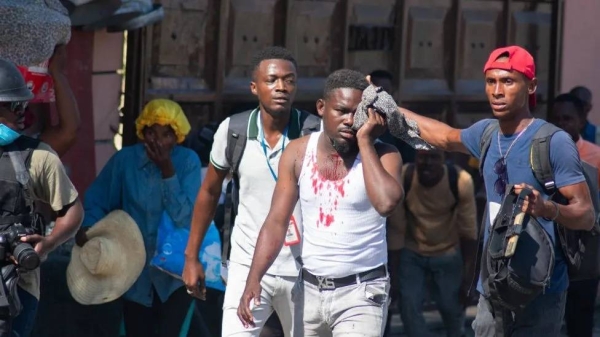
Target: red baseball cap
(519,59)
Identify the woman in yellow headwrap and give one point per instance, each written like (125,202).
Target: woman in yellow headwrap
(163,112)
(146,180)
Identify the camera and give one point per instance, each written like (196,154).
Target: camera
(23,252)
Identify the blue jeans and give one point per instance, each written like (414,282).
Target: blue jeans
(23,324)
(446,274)
(542,317)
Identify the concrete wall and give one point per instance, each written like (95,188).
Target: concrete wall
(580,66)
(106,92)
(581,49)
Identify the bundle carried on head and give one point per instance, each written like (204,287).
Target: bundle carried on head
(31,29)
(399,126)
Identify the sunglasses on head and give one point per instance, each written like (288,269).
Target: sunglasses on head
(15,107)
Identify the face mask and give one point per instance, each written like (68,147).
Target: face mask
(7,135)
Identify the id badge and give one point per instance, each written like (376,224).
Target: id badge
(292,236)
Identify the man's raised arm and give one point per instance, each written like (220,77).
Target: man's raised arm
(436,133)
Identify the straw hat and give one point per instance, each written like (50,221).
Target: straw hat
(109,263)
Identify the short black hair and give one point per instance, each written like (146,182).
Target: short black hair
(382,74)
(577,103)
(583,93)
(344,78)
(272,53)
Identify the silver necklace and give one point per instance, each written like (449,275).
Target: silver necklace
(503,157)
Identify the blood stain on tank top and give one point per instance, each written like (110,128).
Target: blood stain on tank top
(328,184)
(325,219)
(328,220)
(340,187)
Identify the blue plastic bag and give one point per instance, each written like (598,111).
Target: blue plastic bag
(170,248)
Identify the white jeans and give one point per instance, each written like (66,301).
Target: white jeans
(355,310)
(276,295)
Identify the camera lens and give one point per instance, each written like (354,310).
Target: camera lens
(26,256)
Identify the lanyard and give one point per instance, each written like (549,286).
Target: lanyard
(264,146)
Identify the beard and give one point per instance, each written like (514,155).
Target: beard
(343,147)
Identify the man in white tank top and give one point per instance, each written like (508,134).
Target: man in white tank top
(347,183)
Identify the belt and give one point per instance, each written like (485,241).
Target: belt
(330,283)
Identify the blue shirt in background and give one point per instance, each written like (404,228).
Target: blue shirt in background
(565,162)
(589,132)
(132,182)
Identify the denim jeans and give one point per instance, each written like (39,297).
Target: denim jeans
(355,310)
(446,277)
(542,317)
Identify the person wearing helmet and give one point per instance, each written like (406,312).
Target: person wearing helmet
(31,172)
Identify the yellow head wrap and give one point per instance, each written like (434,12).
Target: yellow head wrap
(163,112)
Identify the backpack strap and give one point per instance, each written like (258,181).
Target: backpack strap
(237,136)
(236,139)
(228,218)
(453,181)
(539,157)
(20,153)
(484,143)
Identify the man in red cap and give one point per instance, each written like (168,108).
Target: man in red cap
(510,86)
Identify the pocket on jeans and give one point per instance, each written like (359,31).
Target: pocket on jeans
(377,292)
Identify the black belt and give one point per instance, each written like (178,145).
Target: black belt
(330,283)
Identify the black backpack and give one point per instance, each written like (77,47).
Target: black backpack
(452,180)
(200,141)
(581,248)
(518,259)
(237,137)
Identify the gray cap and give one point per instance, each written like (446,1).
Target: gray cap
(12,84)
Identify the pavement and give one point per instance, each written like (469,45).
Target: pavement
(436,327)
(434,322)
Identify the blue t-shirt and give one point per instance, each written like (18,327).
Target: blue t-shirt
(566,165)
(589,132)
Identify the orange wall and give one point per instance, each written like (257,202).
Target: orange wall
(581,49)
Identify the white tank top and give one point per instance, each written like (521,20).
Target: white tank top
(343,233)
